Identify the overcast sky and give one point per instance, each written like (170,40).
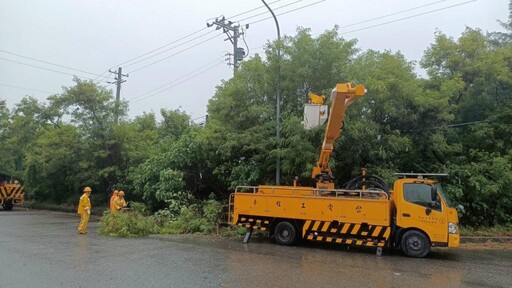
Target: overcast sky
(94,35)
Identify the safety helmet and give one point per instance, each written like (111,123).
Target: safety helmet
(16,182)
(121,193)
(115,192)
(87,189)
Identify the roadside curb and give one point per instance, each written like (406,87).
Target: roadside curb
(477,239)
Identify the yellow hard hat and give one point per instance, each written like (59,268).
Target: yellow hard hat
(16,182)
(121,193)
(115,191)
(87,189)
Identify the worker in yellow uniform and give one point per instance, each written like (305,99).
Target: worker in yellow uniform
(120,202)
(84,209)
(113,200)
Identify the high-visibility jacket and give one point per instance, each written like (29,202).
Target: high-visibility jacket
(119,203)
(84,204)
(113,201)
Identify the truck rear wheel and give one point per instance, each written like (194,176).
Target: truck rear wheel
(7,205)
(415,244)
(285,233)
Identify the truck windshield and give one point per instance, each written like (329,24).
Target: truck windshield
(446,199)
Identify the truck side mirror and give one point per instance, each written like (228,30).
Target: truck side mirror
(436,203)
(433,194)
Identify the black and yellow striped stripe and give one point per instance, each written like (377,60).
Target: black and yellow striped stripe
(346,233)
(10,192)
(255,223)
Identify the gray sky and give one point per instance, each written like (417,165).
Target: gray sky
(94,35)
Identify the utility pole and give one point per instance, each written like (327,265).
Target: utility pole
(233,33)
(119,79)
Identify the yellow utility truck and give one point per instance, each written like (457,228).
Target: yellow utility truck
(413,216)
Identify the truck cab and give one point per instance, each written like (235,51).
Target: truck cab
(423,216)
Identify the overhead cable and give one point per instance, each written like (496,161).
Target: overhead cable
(49,63)
(185,80)
(408,17)
(173,47)
(43,68)
(24,88)
(289,11)
(172,55)
(173,81)
(392,14)
(266,12)
(170,43)
(392,21)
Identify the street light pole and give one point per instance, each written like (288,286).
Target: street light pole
(278,94)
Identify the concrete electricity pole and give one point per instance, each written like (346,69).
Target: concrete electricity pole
(119,79)
(233,33)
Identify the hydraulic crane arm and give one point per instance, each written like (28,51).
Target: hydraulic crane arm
(341,97)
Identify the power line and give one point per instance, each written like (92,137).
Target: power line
(266,12)
(467,123)
(172,55)
(183,76)
(193,76)
(204,116)
(392,14)
(409,17)
(182,38)
(286,12)
(24,88)
(43,68)
(161,47)
(248,11)
(173,47)
(299,8)
(175,80)
(170,43)
(49,63)
(380,17)
(149,52)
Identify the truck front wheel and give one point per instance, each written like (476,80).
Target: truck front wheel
(415,244)
(285,233)
(7,205)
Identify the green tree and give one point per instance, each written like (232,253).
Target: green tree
(54,164)
(475,74)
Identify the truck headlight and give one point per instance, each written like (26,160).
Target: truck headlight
(452,228)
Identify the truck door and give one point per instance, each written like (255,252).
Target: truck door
(420,207)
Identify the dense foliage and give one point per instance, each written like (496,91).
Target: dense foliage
(457,120)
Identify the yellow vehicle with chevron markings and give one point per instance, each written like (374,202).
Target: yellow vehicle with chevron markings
(11,193)
(414,216)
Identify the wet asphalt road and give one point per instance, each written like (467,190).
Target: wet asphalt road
(42,249)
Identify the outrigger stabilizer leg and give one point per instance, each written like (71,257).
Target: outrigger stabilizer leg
(247,236)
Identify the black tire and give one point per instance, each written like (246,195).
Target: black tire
(285,233)
(7,205)
(415,244)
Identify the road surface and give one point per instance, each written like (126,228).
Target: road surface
(43,249)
